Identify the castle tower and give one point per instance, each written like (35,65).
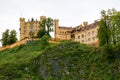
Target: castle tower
(42,18)
(56,24)
(22,24)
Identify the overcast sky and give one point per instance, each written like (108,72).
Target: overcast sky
(69,12)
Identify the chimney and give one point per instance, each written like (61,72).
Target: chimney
(85,23)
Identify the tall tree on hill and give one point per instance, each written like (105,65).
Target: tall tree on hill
(116,28)
(49,24)
(5,38)
(109,27)
(12,37)
(8,37)
(45,27)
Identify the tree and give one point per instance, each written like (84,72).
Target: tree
(116,28)
(49,24)
(45,27)
(41,33)
(109,27)
(12,37)
(5,38)
(8,37)
(103,33)
(44,41)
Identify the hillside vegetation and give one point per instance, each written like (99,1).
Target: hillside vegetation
(65,61)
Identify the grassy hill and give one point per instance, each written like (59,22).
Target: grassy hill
(65,61)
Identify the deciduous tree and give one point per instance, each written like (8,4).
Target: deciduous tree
(46,26)
(5,38)
(109,27)
(8,37)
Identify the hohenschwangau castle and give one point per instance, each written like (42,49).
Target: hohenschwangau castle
(84,33)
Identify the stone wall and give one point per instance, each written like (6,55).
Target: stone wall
(13,45)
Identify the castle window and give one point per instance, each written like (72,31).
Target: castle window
(93,38)
(78,37)
(82,41)
(89,39)
(25,31)
(88,33)
(31,27)
(93,32)
(82,35)
(25,27)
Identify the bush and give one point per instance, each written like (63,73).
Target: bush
(44,41)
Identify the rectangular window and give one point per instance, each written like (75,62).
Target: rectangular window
(25,31)
(89,39)
(78,37)
(88,34)
(82,41)
(93,38)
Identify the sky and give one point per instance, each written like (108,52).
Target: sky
(69,12)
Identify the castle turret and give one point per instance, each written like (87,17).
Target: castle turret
(22,19)
(56,24)
(22,24)
(42,18)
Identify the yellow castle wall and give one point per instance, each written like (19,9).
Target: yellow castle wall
(25,27)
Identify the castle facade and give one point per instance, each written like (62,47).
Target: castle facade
(29,28)
(84,33)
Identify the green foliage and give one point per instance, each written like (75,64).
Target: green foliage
(5,38)
(44,41)
(49,24)
(65,61)
(41,33)
(12,37)
(116,28)
(45,27)
(9,38)
(109,27)
(103,33)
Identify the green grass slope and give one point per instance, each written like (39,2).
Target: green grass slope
(65,61)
